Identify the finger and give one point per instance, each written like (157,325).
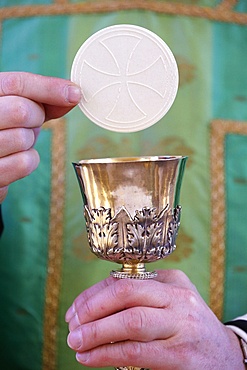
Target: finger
(139,324)
(120,295)
(117,354)
(42,89)
(20,112)
(84,296)
(127,293)
(158,355)
(23,164)
(3,193)
(15,140)
(53,112)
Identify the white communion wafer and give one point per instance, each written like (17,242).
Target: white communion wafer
(128,77)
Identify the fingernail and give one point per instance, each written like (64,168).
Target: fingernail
(75,339)
(69,314)
(73,94)
(74,322)
(82,357)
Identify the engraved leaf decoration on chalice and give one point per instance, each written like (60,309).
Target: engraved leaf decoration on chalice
(172,231)
(102,233)
(147,236)
(125,80)
(145,232)
(153,235)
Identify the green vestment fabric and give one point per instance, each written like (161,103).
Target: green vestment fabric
(212,58)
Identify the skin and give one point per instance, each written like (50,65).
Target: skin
(26,102)
(160,324)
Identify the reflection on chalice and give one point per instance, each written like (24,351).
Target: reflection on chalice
(132,211)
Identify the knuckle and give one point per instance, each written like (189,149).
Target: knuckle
(192,312)
(134,322)
(94,333)
(20,113)
(131,351)
(27,162)
(123,289)
(191,297)
(12,84)
(181,278)
(24,138)
(102,356)
(88,309)
(179,275)
(187,296)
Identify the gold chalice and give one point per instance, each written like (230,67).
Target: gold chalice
(132,211)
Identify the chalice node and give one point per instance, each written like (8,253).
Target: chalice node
(132,211)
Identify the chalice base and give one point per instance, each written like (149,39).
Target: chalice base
(133,271)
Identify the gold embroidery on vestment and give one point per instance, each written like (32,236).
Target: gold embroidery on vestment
(223,12)
(219,130)
(55,247)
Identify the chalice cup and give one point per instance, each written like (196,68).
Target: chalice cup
(132,211)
